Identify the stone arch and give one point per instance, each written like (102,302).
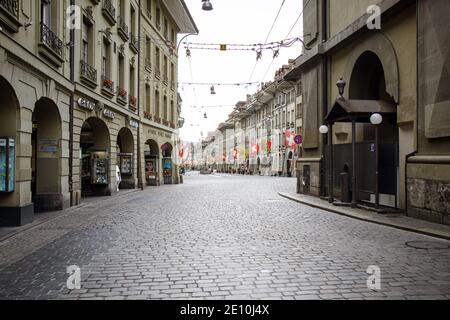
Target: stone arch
(46,155)
(8,109)
(125,141)
(152,162)
(95,145)
(379,45)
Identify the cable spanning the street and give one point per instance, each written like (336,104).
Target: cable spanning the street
(268,35)
(287,36)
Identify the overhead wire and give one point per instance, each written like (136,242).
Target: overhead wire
(267,37)
(287,36)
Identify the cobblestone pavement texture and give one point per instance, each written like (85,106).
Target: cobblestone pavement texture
(218,237)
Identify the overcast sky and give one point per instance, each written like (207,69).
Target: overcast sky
(231,21)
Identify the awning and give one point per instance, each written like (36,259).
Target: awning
(359,110)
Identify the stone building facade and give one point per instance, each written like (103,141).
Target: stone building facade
(258,136)
(74,104)
(397,71)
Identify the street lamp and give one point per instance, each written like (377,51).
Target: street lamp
(324,129)
(207,6)
(376,119)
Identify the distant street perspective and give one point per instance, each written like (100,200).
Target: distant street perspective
(225,237)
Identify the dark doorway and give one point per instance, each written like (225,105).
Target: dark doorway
(95,158)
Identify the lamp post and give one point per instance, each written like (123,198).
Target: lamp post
(324,129)
(376,119)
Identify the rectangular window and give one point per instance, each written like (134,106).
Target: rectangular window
(121,72)
(157,103)
(147,99)
(132,81)
(166,29)
(157,59)
(106,59)
(85,45)
(165,108)
(172,111)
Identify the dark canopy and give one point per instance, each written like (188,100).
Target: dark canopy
(359,110)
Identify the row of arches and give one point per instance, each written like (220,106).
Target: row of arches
(40,154)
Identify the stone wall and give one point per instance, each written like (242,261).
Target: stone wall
(429,200)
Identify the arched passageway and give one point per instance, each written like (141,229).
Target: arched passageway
(125,158)
(167,150)
(46,156)
(151,155)
(8,108)
(95,158)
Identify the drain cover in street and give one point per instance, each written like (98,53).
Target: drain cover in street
(428,245)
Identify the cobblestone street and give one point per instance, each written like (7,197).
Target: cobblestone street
(217,237)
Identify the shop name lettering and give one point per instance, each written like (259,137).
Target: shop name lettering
(86,104)
(249,310)
(109,114)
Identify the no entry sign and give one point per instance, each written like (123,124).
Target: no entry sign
(298,139)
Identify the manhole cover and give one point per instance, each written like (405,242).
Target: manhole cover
(428,245)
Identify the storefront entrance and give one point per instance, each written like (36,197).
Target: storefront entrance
(167,163)
(125,157)
(151,155)
(45,159)
(95,158)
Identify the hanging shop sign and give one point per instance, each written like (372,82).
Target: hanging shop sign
(109,114)
(86,104)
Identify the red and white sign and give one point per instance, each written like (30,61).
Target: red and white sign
(290,140)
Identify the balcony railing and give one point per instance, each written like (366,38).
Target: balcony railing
(134,43)
(123,29)
(157,73)
(109,10)
(148,64)
(51,40)
(88,71)
(133,101)
(122,95)
(107,85)
(11,6)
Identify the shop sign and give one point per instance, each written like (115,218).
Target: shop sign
(109,114)
(134,123)
(48,145)
(86,104)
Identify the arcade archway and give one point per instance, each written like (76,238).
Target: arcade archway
(125,157)
(151,154)
(167,150)
(95,158)
(8,108)
(46,153)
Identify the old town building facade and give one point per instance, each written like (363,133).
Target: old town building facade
(397,72)
(258,136)
(74,99)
